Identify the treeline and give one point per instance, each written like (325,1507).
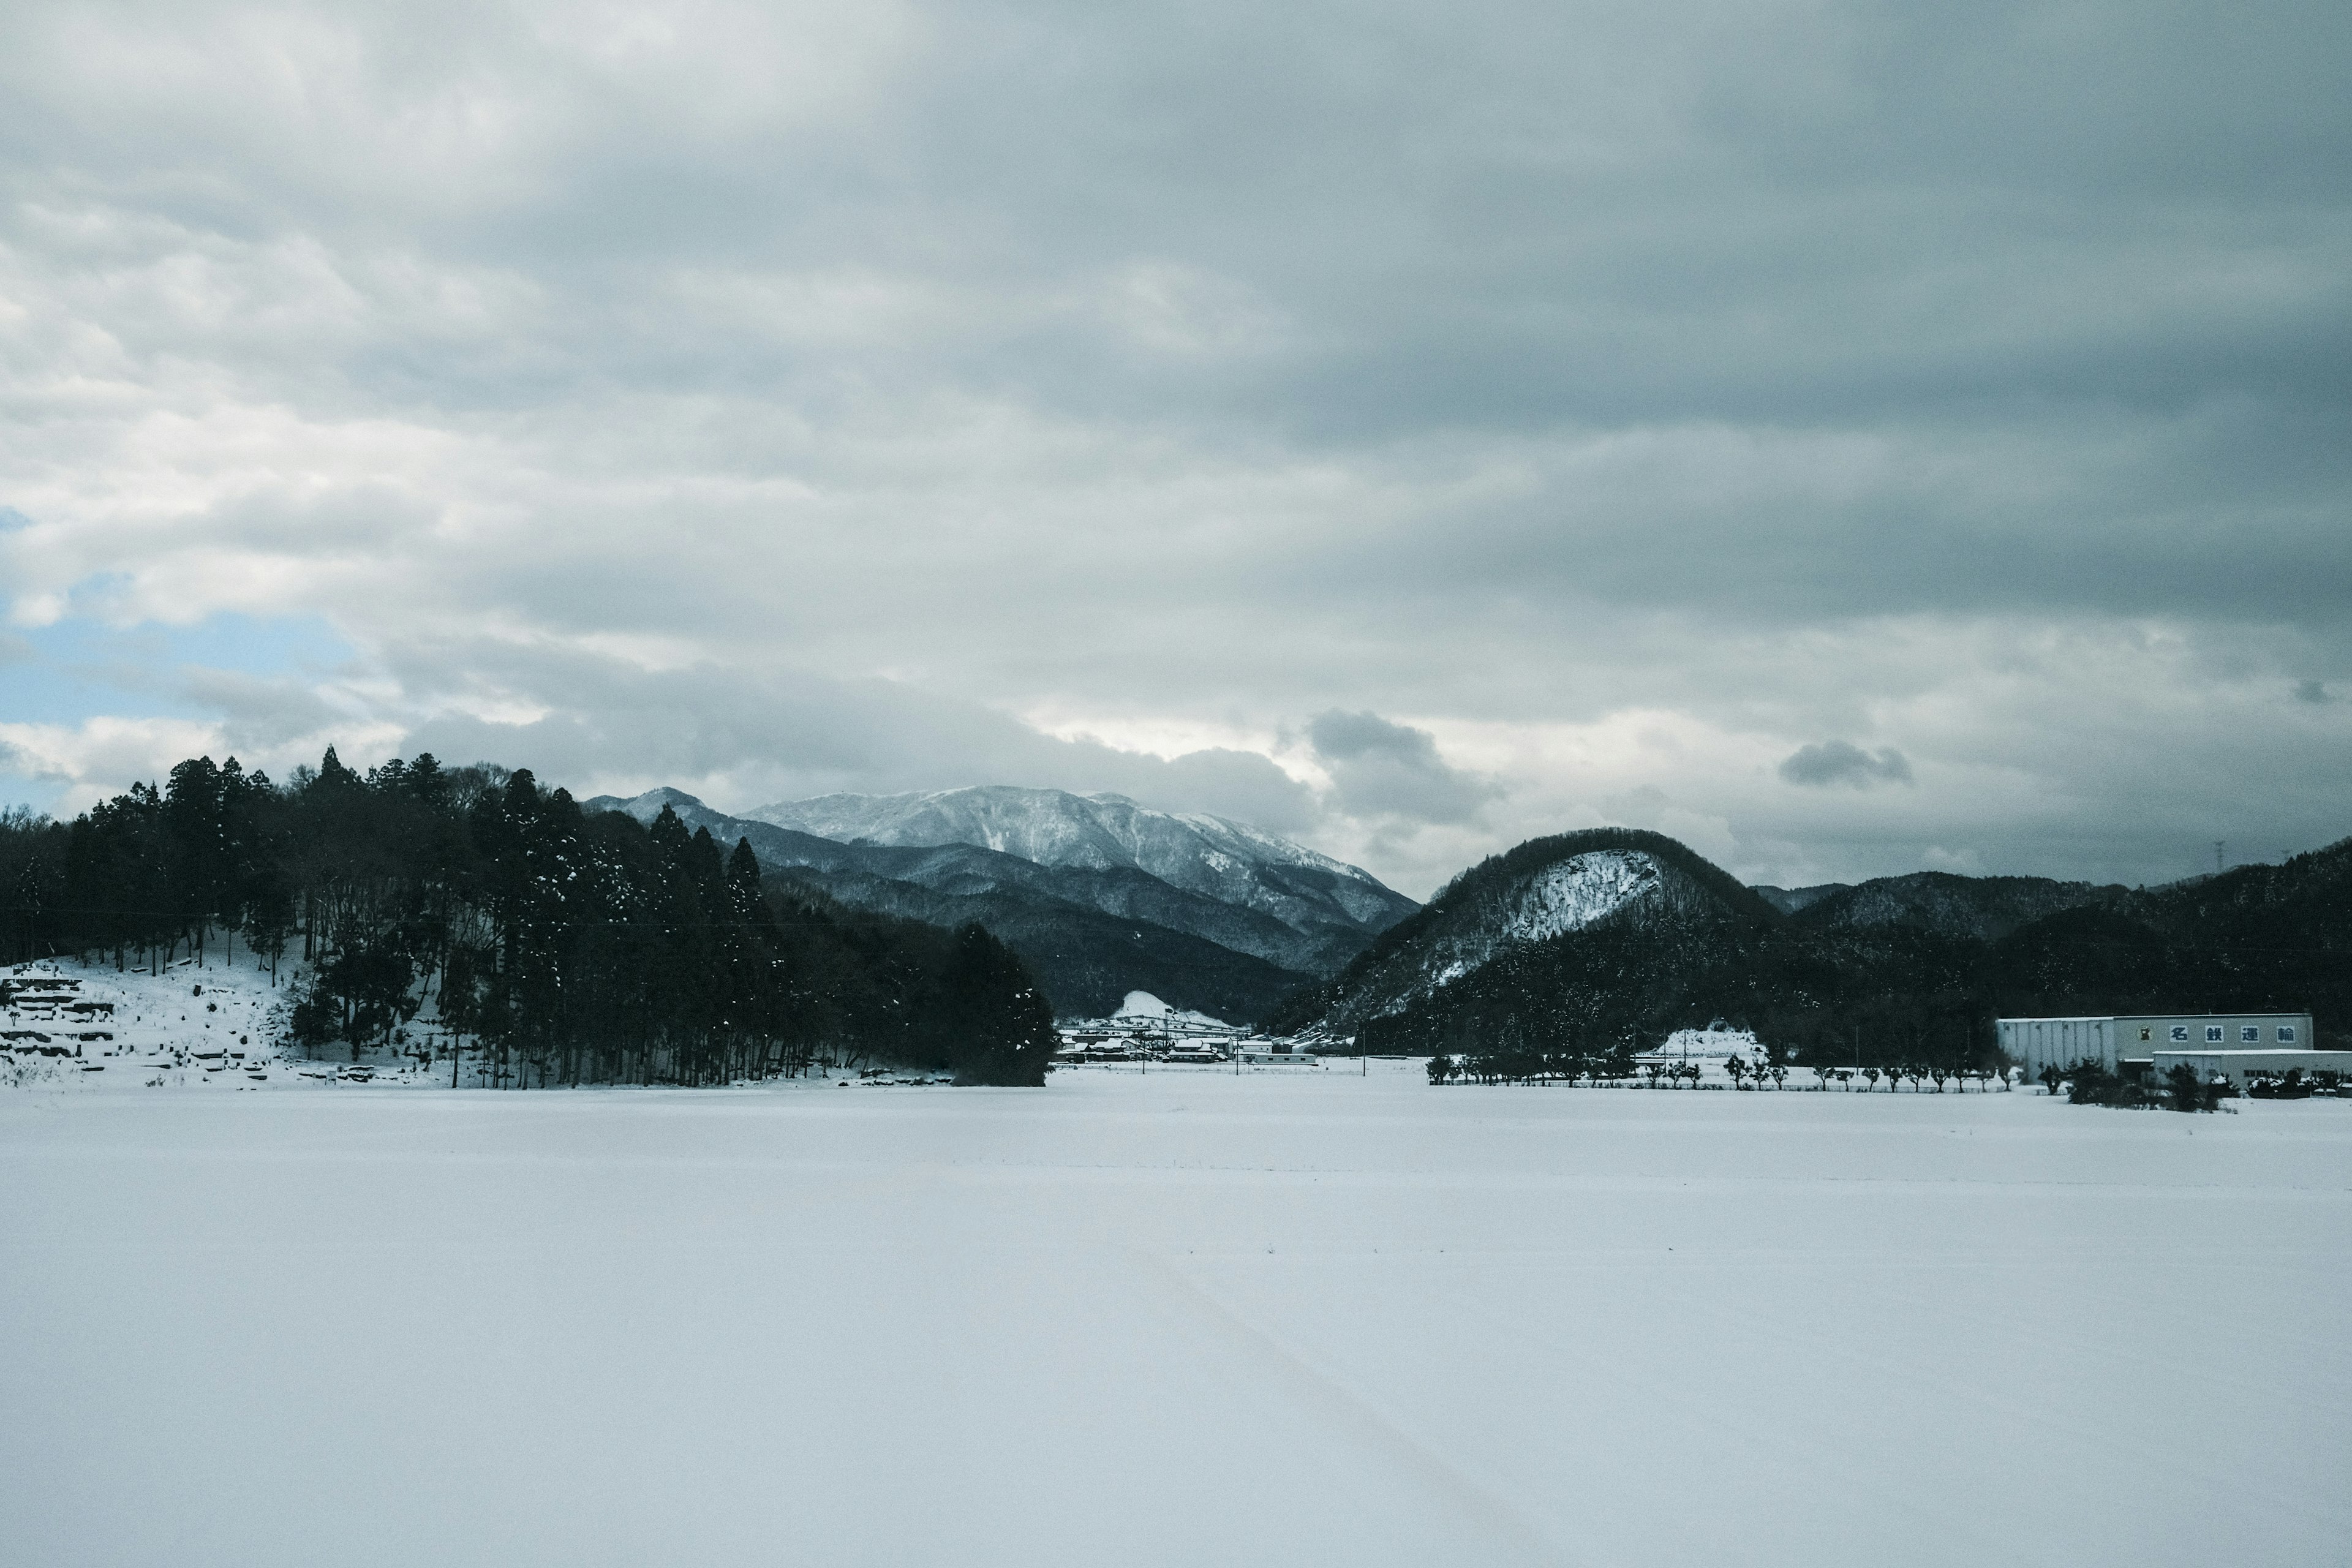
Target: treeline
(557,946)
(1618,1067)
(1896,996)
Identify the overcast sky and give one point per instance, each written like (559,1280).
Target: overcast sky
(1852,438)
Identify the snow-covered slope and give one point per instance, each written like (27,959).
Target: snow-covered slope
(1143,1007)
(1541,890)
(66,1024)
(1226,860)
(1576,892)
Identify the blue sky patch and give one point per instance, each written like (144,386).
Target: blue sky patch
(79,668)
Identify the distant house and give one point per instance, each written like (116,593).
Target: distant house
(1716,1043)
(1277,1053)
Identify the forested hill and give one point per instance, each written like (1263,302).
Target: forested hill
(1592,941)
(1527,897)
(566,946)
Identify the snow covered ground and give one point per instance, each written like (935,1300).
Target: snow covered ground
(69,1026)
(1170,1317)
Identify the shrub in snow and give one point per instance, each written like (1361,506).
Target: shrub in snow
(2091,1083)
(2189,1089)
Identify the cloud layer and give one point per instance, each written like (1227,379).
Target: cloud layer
(1842,762)
(1410,431)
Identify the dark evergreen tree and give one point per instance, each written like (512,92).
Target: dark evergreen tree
(553,948)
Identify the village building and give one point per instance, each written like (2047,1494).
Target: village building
(2233,1045)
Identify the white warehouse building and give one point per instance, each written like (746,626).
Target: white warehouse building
(2219,1044)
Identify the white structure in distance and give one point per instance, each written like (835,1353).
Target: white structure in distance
(1717,1042)
(2235,1045)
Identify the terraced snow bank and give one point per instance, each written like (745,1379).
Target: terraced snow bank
(1170,1319)
(80,1026)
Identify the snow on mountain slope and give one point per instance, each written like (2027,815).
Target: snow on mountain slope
(1577,891)
(1566,896)
(1543,890)
(1089,935)
(964,870)
(1229,861)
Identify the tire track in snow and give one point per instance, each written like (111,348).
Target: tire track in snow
(1773,1448)
(1496,1532)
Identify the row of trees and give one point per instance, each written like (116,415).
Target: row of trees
(1618,1066)
(1902,1001)
(560,947)
(2095,1083)
(1599,1064)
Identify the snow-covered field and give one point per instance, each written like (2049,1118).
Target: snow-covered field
(1174,1317)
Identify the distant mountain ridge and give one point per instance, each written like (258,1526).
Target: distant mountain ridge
(1093,930)
(1985,907)
(1228,861)
(1612,938)
(1789,900)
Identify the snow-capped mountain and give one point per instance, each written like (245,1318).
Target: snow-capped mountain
(1229,861)
(1540,890)
(1095,924)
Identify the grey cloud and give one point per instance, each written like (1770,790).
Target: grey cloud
(1385,769)
(1340,737)
(260,713)
(744,740)
(2313,692)
(1827,762)
(1734,372)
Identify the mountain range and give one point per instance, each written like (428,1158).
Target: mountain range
(1609,931)
(1614,934)
(1098,895)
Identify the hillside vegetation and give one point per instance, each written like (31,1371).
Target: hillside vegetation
(1088,934)
(569,946)
(1908,969)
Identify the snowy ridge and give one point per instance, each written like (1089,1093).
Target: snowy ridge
(1089,932)
(1051,826)
(1225,860)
